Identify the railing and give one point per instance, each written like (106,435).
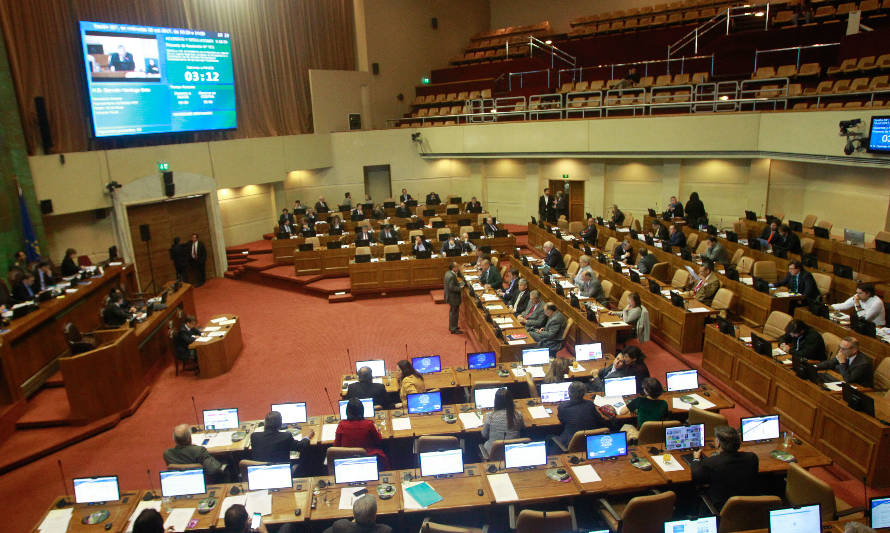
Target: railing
(521,76)
(723,19)
(578,72)
(546,47)
(798,49)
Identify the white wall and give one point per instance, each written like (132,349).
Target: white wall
(559,12)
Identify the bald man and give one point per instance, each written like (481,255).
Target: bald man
(185,453)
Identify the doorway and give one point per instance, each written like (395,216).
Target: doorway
(166,220)
(377,182)
(575,191)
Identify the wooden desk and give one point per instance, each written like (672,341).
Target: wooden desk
(617,475)
(119,512)
(459,491)
(534,485)
(204,521)
(216,356)
(873,347)
(328,498)
(408,274)
(284,502)
(854,440)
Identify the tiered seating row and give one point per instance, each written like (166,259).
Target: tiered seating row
(675,13)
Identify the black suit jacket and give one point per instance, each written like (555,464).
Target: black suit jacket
(789,243)
(433,199)
(42,281)
(860,372)
(403,212)
(523,301)
(577,415)
(511,291)
(404,197)
(554,260)
(618,218)
(589,234)
(729,474)
(473,205)
(114,315)
(806,285)
(369,237)
(69,267)
(376,391)
(389,234)
(675,211)
(319,207)
(490,229)
(274,446)
(677,239)
(810,345)
(22,293)
(288,217)
(184,337)
(663,234)
(201,252)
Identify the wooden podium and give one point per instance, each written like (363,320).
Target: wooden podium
(216,356)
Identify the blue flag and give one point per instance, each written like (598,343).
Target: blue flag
(32,248)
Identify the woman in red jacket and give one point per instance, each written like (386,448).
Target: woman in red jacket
(356,432)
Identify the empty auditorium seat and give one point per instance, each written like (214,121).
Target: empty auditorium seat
(808,70)
(764,72)
(847,65)
(858,85)
(786,71)
(865,64)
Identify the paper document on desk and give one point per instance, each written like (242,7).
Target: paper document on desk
(506,326)
(616,324)
(538,411)
(115,264)
(217,334)
(702,403)
(568,238)
(535,371)
(518,372)
(401,424)
(778,351)
(70,291)
(228,322)
(657,244)
(212,328)
(217,320)
(488,297)
(834,386)
(470,420)
(229,501)
(259,501)
(788,362)
(566,284)
(698,310)
(328,432)
(516,343)
(502,488)
(495,307)
(419,495)
(745,339)
(623,230)
(502,320)
(347,497)
(478,286)
(57,521)
(586,474)
(203,339)
(178,519)
(375,259)
(673,466)
(747,281)
(143,505)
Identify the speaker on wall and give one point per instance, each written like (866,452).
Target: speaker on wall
(168,177)
(355,121)
(144,232)
(169,189)
(435,23)
(46,207)
(375,68)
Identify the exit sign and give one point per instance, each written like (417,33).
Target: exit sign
(163,166)
(565,176)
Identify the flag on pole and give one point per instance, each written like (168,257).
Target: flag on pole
(32,248)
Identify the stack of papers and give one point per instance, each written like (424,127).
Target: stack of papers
(538,411)
(348,497)
(515,343)
(259,501)
(495,307)
(698,310)
(470,420)
(616,324)
(782,294)
(586,474)
(217,334)
(57,520)
(401,424)
(502,488)
(328,432)
(488,297)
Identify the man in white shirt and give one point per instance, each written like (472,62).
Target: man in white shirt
(865,303)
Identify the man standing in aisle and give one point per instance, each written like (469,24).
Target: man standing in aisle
(453,286)
(198,259)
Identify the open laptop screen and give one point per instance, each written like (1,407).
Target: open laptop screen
(96,489)
(587,352)
(221,419)
(367,403)
(182,482)
(292,412)
(377,366)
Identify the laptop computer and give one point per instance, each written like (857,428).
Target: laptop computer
(182,482)
(760,428)
(393,256)
(858,400)
(822,233)
(805,519)
(305,247)
(96,489)
(362,258)
(682,438)
(500,234)
(862,326)
(291,412)
(274,476)
(750,215)
(761,345)
(677,300)
(654,287)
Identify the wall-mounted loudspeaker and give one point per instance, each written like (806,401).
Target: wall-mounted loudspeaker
(435,23)
(169,189)
(46,207)
(375,68)
(144,232)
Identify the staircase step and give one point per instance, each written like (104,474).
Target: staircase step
(438,296)
(339,298)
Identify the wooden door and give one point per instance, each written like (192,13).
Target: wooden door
(575,191)
(166,220)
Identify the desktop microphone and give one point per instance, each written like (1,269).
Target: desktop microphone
(150,494)
(195,407)
(64,501)
(331,403)
(406,349)
(349,360)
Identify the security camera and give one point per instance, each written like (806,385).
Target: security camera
(415,137)
(846,125)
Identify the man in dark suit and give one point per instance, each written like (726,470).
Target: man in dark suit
(43,277)
(402,211)
(273,445)
(490,276)
(589,233)
(364,512)
(624,252)
(629,362)
(770,234)
(562,205)
(366,388)
(421,245)
(467,244)
(646,261)
(545,206)
(577,414)
(659,232)
(114,313)
(198,259)
(510,292)
(285,229)
(359,212)
(675,208)
(363,234)
(553,258)
(387,234)
(473,206)
(520,300)
(489,227)
(800,281)
(803,341)
(676,237)
(180,258)
(23,290)
(453,286)
(788,241)
(451,244)
(404,197)
(122,61)
(321,206)
(433,199)
(550,335)
(853,365)
(727,471)
(187,453)
(185,336)
(310,218)
(285,217)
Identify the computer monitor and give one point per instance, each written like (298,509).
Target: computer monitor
(843,271)
(484,397)
(882,246)
(428,364)
(654,287)
(182,482)
(355,469)
(621,386)
(761,346)
(757,428)
(794,225)
(705,524)
(377,366)
(292,412)
(684,437)
(481,360)
(858,400)
(862,326)
(442,463)
(805,519)
(535,356)
(588,352)
(525,454)
(681,380)
(96,489)
(822,233)
(608,445)
(853,237)
(880,512)
(269,477)
(221,419)
(555,392)
(424,402)
(367,404)
(634,277)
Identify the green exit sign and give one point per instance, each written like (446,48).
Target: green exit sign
(565,176)
(425,80)
(163,166)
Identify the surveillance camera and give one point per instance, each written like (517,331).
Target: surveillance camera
(848,148)
(415,136)
(846,125)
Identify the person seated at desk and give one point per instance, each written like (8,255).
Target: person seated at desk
(404,197)
(347,199)
(503,422)
(646,261)
(115,314)
(20,262)
(557,372)
(187,453)
(362,233)
(473,206)
(803,341)
(43,276)
(647,407)
(358,211)
(553,258)
(356,432)
(866,304)
(637,316)
(467,244)
(590,287)
(402,211)
(364,512)
(451,244)
(69,265)
(727,471)
(23,290)
(788,242)
(676,238)
(707,285)
(853,365)
(617,216)
(410,381)
(577,414)
(629,362)
(310,218)
(366,388)
(509,293)
(335,227)
(149,521)
(271,445)
(695,211)
(321,206)
(480,255)
(583,266)
(185,336)
(589,233)
(285,229)
(285,217)
(307,230)
(237,520)
(520,300)
(388,234)
(489,227)
(674,209)
(769,235)
(534,316)
(489,277)
(550,334)
(659,232)
(624,252)
(367,199)
(297,206)
(378,213)
(799,281)
(714,251)
(421,245)
(433,199)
